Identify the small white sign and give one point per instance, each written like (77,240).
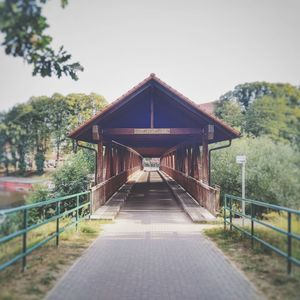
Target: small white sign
(240,159)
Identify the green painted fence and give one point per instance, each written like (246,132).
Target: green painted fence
(275,227)
(20,221)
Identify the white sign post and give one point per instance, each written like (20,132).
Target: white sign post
(241,159)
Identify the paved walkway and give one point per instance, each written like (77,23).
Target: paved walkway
(152,252)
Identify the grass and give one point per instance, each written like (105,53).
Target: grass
(273,237)
(264,268)
(46,264)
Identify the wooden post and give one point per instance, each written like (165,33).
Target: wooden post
(100,162)
(189,170)
(196,171)
(151,111)
(186,161)
(205,156)
(108,161)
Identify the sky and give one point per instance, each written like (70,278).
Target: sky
(202,48)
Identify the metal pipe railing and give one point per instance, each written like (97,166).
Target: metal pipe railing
(231,205)
(61,210)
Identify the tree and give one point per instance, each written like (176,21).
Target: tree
(82,107)
(246,93)
(73,176)
(41,130)
(18,122)
(230,112)
(31,129)
(4,159)
(273,117)
(272,171)
(23,26)
(262,108)
(59,116)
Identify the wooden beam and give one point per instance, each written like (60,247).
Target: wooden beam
(108,161)
(151,111)
(100,162)
(96,133)
(204,161)
(152,131)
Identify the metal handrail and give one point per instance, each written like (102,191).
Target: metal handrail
(228,199)
(25,209)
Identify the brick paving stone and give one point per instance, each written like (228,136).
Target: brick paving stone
(151,252)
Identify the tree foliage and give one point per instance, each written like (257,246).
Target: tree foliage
(272,171)
(268,115)
(23,26)
(231,113)
(73,176)
(262,108)
(28,131)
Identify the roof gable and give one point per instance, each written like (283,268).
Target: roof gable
(185,109)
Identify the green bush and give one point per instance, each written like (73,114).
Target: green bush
(73,176)
(39,193)
(272,171)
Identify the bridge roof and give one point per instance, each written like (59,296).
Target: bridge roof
(153,104)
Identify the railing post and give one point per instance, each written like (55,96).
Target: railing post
(289,263)
(252,224)
(91,203)
(77,212)
(57,221)
(225,210)
(230,213)
(24,250)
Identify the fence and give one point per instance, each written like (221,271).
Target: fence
(277,228)
(20,221)
(206,195)
(104,190)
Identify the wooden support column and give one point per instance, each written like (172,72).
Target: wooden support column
(100,162)
(189,159)
(97,137)
(176,160)
(114,161)
(204,156)
(192,161)
(173,161)
(186,161)
(108,161)
(196,162)
(151,111)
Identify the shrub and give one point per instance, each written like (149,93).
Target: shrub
(73,176)
(272,171)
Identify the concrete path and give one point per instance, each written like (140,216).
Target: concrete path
(153,251)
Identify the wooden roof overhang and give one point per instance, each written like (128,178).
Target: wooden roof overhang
(151,118)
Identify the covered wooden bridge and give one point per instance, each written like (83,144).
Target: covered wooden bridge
(154,120)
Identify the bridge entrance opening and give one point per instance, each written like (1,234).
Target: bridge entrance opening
(153,121)
(151,163)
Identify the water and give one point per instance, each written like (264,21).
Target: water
(10,199)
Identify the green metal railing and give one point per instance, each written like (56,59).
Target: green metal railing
(287,239)
(20,221)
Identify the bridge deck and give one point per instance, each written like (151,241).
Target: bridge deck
(153,251)
(151,193)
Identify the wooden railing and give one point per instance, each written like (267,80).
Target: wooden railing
(104,190)
(205,195)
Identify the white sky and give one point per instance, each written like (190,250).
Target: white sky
(202,48)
